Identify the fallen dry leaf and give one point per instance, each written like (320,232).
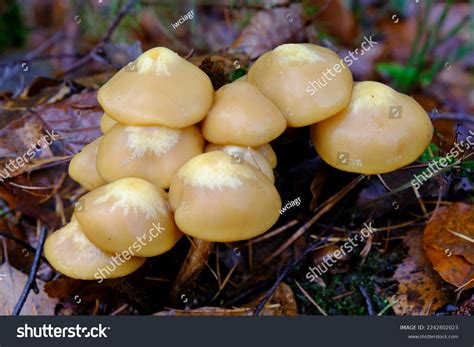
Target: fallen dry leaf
(450,230)
(75,119)
(270,28)
(453,269)
(419,290)
(448,241)
(282,303)
(12,282)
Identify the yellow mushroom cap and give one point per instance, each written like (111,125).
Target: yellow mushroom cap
(131,215)
(158,88)
(267,151)
(106,123)
(243,116)
(285,76)
(82,168)
(250,155)
(153,153)
(70,252)
(381,130)
(218,199)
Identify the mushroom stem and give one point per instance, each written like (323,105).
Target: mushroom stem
(193,264)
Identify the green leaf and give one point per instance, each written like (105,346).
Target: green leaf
(237,74)
(396,70)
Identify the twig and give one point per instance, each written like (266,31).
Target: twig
(191,52)
(368,301)
(273,233)
(460,235)
(19,241)
(311,300)
(42,57)
(387,307)
(120,309)
(89,56)
(31,282)
(226,279)
(31,55)
(460,117)
(324,208)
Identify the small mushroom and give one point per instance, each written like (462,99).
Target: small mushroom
(82,167)
(70,252)
(153,153)
(131,215)
(106,123)
(248,154)
(380,131)
(242,116)
(290,74)
(158,88)
(216,199)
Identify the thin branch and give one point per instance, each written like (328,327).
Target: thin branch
(460,117)
(31,282)
(22,243)
(310,299)
(89,56)
(43,57)
(368,301)
(330,203)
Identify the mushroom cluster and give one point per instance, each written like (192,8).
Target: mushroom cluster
(164,128)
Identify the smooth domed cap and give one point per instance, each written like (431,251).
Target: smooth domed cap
(248,154)
(158,88)
(131,215)
(106,123)
(152,153)
(285,75)
(380,131)
(216,199)
(70,252)
(82,167)
(242,116)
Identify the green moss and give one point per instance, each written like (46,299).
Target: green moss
(373,272)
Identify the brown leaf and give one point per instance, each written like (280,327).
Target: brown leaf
(419,290)
(453,269)
(450,230)
(282,303)
(270,28)
(11,286)
(75,119)
(62,288)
